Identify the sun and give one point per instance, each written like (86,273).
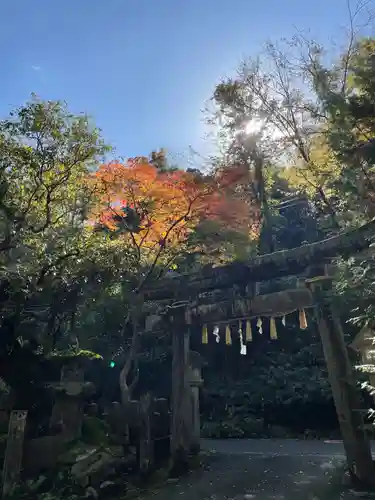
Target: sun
(257,126)
(254,126)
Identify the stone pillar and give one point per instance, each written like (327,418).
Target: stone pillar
(146,443)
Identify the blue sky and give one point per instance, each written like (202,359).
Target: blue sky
(143,69)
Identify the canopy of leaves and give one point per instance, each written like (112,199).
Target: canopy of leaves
(45,156)
(158,212)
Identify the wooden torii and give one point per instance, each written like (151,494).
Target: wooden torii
(224,292)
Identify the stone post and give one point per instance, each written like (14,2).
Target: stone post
(146,444)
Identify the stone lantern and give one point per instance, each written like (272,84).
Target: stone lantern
(70,394)
(195,382)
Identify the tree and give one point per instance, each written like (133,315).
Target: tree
(267,111)
(46,154)
(155,213)
(349,108)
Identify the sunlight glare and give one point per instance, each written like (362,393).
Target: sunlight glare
(258,126)
(254,126)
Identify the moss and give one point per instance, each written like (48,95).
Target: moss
(95,431)
(74,354)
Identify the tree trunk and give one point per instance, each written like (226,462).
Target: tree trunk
(126,389)
(126,395)
(266,244)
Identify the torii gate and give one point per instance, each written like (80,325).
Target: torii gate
(182,296)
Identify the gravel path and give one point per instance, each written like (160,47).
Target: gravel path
(263,470)
(279,447)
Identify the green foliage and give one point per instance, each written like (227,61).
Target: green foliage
(346,97)
(48,488)
(210,242)
(45,156)
(279,384)
(95,431)
(222,430)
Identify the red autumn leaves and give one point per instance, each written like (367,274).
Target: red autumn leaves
(156,207)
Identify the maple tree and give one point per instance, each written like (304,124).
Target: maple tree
(156,210)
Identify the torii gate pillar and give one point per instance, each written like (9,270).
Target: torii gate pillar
(182,434)
(343,384)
